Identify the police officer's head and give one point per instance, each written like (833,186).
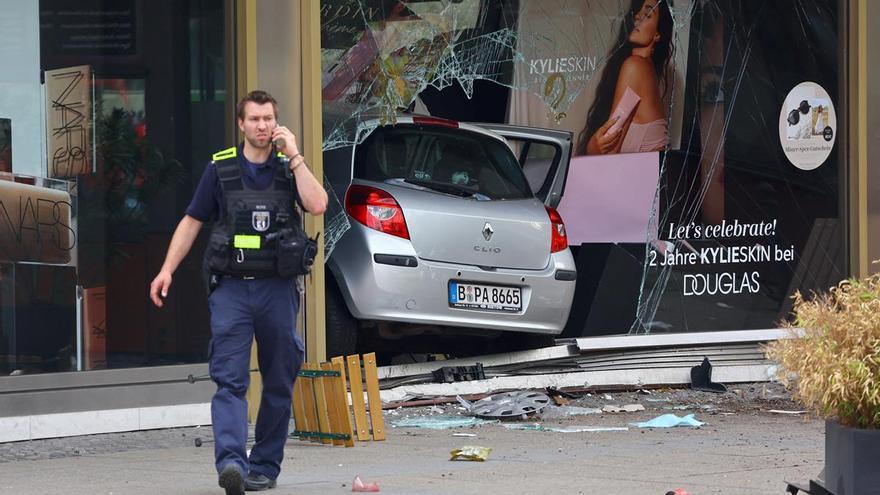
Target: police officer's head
(257,116)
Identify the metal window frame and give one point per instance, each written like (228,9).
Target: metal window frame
(854,152)
(78,391)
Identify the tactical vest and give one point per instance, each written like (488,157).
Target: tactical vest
(242,242)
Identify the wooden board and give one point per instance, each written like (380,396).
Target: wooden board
(357,398)
(333,407)
(299,411)
(321,404)
(339,398)
(309,404)
(372,379)
(339,360)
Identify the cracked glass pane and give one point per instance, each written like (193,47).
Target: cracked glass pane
(378,56)
(336,222)
(705,183)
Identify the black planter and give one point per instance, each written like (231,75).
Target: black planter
(852,458)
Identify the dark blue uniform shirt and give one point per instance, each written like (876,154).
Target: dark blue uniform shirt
(208,199)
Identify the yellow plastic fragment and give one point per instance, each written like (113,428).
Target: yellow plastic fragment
(470,453)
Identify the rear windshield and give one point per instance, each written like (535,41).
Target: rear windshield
(452,161)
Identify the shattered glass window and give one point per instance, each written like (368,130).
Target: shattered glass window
(704,187)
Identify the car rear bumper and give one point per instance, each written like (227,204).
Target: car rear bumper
(395,290)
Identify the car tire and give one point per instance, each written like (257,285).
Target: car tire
(341,325)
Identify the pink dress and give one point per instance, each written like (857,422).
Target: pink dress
(652,136)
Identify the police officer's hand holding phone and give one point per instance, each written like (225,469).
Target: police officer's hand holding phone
(285,142)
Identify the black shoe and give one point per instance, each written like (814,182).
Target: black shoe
(232,480)
(256,482)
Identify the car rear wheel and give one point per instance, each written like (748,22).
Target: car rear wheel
(341,325)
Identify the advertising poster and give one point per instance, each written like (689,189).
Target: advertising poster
(586,63)
(673,201)
(69,121)
(807,124)
(36,224)
(613,75)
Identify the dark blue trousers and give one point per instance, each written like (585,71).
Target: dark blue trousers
(241,310)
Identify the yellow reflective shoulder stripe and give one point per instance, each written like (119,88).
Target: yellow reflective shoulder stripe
(224,154)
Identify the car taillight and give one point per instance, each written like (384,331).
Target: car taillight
(376,209)
(558,239)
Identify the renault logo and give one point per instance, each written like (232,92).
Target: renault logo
(487,231)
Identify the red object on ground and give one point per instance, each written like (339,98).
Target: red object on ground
(359,486)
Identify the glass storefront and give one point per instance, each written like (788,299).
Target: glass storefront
(722,192)
(135,99)
(771,209)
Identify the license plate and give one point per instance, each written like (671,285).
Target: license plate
(486,297)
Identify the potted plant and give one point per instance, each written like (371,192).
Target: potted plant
(834,369)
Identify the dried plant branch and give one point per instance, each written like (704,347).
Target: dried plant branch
(834,367)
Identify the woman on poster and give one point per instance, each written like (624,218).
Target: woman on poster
(629,114)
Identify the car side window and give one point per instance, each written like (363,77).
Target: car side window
(536,164)
(536,159)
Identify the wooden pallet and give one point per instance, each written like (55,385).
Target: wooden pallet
(320,403)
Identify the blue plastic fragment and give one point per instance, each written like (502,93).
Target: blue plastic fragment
(669,421)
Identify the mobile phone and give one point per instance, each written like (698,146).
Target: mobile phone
(278,142)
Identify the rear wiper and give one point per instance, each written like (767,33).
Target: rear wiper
(445,187)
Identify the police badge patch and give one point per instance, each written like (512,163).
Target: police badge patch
(260,220)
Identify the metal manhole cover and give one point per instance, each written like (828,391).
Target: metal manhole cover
(510,404)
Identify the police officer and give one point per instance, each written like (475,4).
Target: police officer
(247,191)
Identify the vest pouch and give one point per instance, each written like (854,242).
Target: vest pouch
(252,262)
(218,254)
(224,258)
(295,252)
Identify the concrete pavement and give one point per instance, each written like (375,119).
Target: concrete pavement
(745,452)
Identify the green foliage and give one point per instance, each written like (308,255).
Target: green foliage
(834,367)
(133,172)
(114,202)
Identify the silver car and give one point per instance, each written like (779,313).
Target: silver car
(453,228)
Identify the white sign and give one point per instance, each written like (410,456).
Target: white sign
(807,126)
